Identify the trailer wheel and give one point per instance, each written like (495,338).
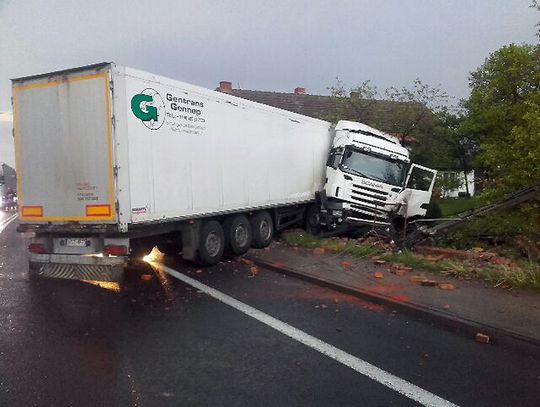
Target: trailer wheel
(313,219)
(262,227)
(237,234)
(212,243)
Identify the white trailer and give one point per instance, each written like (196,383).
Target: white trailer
(113,160)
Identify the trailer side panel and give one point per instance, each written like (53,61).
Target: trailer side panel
(195,152)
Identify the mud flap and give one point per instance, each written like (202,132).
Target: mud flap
(77,271)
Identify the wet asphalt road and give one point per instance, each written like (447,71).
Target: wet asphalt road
(162,343)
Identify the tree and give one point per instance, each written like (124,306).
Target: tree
(518,166)
(461,148)
(504,91)
(536,4)
(405,112)
(356,103)
(413,109)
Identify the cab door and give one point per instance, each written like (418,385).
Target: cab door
(419,186)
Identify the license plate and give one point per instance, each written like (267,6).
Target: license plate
(76,242)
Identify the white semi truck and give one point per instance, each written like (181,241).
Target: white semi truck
(112,161)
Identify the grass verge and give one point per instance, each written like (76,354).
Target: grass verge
(453,206)
(350,247)
(517,275)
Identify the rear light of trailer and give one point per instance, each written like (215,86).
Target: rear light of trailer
(36,248)
(115,250)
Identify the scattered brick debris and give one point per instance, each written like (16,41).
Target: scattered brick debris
(319,251)
(446,306)
(429,283)
(378,274)
(482,338)
(400,298)
(345,264)
(277,264)
(254,270)
(438,253)
(246,261)
(430,257)
(446,286)
(399,272)
(146,277)
(417,279)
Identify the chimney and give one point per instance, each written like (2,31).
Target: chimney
(225,87)
(300,91)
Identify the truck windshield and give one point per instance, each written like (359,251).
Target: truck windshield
(374,167)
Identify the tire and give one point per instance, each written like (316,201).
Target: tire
(313,217)
(262,229)
(237,234)
(211,243)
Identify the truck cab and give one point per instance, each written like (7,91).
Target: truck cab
(370,180)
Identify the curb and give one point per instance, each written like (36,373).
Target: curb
(464,326)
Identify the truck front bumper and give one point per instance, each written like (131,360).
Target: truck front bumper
(77,267)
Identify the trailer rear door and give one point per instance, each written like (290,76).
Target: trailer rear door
(63,146)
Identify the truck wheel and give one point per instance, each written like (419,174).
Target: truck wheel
(212,243)
(262,227)
(237,234)
(313,219)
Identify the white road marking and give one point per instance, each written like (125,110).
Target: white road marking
(4,223)
(395,383)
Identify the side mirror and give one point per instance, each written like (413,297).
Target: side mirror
(334,158)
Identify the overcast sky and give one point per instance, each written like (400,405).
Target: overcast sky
(266,45)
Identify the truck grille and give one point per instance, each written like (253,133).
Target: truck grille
(369,201)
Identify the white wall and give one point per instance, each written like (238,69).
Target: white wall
(454,193)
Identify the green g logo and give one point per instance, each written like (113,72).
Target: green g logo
(149,107)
